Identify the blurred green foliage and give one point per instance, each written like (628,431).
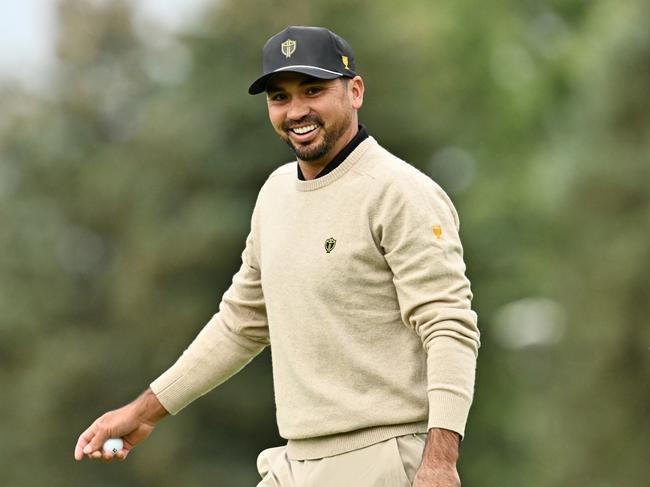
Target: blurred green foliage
(126,192)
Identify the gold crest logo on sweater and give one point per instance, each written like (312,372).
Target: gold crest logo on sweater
(437,231)
(330,243)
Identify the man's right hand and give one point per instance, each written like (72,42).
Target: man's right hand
(133,423)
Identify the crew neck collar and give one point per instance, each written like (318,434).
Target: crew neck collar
(343,167)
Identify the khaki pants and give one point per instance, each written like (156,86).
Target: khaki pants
(390,463)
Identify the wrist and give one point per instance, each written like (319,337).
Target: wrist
(148,408)
(442,447)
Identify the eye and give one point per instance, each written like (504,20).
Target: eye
(314,90)
(277,97)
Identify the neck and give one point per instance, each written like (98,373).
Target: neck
(312,169)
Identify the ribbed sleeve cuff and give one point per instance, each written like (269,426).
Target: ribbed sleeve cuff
(448,410)
(172,399)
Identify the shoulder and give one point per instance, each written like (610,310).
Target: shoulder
(284,171)
(387,169)
(397,183)
(282,176)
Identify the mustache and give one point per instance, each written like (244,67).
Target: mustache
(306,120)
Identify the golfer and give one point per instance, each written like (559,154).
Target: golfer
(353,273)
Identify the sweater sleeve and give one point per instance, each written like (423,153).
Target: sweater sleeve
(420,241)
(227,343)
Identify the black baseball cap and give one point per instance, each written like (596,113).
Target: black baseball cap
(315,51)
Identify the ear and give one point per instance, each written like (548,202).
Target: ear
(356,90)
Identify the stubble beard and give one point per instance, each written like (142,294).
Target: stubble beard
(312,152)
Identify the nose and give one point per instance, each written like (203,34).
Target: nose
(297,109)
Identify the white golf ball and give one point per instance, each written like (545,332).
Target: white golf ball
(113,445)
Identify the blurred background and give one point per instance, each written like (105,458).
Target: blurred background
(131,156)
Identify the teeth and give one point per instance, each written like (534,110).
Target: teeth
(304,130)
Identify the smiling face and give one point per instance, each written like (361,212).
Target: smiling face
(316,117)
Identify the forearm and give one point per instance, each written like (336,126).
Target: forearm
(451,369)
(214,355)
(226,344)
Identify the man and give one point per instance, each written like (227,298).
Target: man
(353,273)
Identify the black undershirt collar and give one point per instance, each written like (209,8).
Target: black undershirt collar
(362,135)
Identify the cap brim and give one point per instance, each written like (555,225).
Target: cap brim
(259,85)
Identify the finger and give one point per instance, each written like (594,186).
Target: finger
(126,447)
(98,439)
(107,456)
(96,455)
(84,439)
(78,449)
(127,443)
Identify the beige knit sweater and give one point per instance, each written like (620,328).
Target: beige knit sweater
(357,281)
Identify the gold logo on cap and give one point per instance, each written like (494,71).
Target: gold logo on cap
(345,60)
(288,47)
